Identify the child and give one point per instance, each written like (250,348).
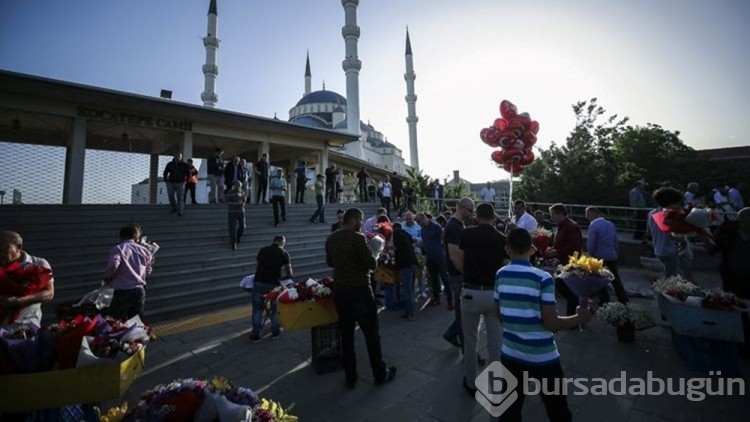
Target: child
(526,305)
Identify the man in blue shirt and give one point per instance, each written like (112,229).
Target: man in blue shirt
(432,241)
(603,244)
(278,199)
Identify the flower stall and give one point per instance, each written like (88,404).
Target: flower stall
(706,323)
(199,400)
(84,360)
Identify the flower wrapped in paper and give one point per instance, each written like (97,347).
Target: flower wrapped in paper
(541,238)
(688,220)
(584,275)
(26,349)
(21,280)
(629,316)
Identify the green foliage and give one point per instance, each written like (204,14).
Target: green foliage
(419,182)
(603,156)
(457,191)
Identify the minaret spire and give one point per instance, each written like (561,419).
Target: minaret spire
(308,75)
(351,65)
(411,104)
(210,70)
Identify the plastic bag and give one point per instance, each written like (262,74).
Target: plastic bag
(248,282)
(101,296)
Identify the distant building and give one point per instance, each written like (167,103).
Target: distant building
(502,188)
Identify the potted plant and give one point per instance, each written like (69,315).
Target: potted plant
(626,318)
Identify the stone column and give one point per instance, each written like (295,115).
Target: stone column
(187,146)
(153,175)
(75,158)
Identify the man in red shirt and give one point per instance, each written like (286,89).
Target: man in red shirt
(568,240)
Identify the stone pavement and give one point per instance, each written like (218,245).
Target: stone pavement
(428,384)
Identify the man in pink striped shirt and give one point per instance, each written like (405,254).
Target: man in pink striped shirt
(129,265)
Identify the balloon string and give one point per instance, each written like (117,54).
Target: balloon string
(510,196)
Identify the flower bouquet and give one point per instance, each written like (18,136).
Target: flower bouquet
(677,288)
(305,304)
(541,238)
(199,400)
(689,220)
(585,276)
(304,291)
(723,301)
(21,280)
(626,318)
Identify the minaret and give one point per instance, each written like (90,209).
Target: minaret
(351,65)
(411,104)
(210,70)
(308,75)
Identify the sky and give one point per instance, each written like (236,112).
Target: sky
(682,64)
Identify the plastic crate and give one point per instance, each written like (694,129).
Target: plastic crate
(700,322)
(327,348)
(704,355)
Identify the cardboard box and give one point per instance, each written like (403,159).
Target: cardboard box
(695,321)
(51,389)
(301,315)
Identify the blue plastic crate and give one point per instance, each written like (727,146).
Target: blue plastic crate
(704,355)
(695,321)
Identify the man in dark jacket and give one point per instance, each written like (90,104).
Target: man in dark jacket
(175,175)
(397,190)
(300,174)
(362,177)
(406,262)
(331,173)
(233,172)
(215,172)
(261,170)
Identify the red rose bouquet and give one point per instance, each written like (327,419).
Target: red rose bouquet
(21,280)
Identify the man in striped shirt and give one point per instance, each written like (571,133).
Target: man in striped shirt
(526,306)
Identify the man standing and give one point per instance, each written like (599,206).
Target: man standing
(371,222)
(331,174)
(487,194)
(235,199)
(735,197)
(215,172)
(397,187)
(481,253)
(603,244)
(437,194)
(192,180)
(300,174)
(16,311)
(319,199)
(568,240)
(350,256)
(432,240)
(406,263)
(521,218)
(128,266)
(362,177)
(408,203)
(233,172)
(175,175)
(261,170)
(385,195)
(637,199)
(692,190)
(665,247)
(543,222)
(248,178)
(269,262)
(415,231)
(278,196)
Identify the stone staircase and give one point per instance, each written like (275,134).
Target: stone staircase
(195,270)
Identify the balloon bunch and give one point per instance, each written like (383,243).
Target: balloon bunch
(515,134)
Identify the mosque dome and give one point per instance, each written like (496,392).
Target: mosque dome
(311,121)
(322,97)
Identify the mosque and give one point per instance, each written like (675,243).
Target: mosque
(330,110)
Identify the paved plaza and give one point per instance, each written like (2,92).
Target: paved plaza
(428,384)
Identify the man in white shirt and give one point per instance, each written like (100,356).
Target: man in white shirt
(735,197)
(369,225)
(487,193)
(692,189)
(385,195)
(521,219)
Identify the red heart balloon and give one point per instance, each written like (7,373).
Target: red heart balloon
(507,109)
(534,127)
(515,168)
(524,119)
(483,134)
(500,124)
(492,137)
(516,127)
(527,158)
(518,144)
(497,156)
(512,154)
(529,139)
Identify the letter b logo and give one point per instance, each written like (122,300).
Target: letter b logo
(496,389)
